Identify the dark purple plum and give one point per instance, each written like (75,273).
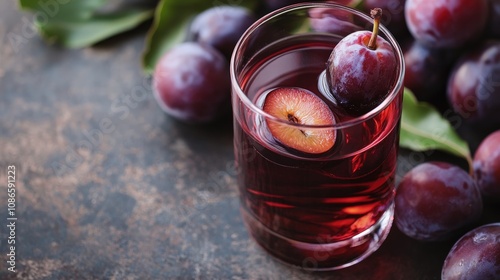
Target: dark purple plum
(361,70)
(434,200)
(487,167)
(191,83)
(474,86)
(221,27)
(446,23)
(426,71)
(475,256)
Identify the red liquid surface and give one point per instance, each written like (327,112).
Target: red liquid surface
(289,196)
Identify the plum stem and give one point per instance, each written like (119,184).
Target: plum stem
(376,14)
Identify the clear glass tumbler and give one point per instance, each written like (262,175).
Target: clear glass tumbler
(319,211)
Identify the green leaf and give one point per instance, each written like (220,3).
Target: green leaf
(76,24)
(77,34)
(62,10)
(171,20)
(423,128)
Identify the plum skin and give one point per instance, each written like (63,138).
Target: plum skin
(476,255)
(435,199)
(487,167)
(191,83)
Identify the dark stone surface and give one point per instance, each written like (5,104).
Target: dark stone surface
(109,187)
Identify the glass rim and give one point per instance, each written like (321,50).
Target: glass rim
(398,86)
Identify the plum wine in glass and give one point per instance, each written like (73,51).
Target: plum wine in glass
(315,172)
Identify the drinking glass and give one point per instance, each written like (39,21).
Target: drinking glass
(318,211)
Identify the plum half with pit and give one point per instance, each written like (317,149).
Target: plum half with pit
(191,83)
(361,69)
(302,109)
(475,256)
(434,200)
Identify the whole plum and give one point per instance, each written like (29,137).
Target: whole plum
(221,27)
(474,86)
(426,71)
(435,199)
(446,23)
(487,167)
(361,69)
(191,83)
(475,256)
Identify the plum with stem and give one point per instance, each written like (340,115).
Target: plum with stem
(361,69)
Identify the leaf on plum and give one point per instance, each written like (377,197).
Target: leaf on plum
(77,24)
(423,128)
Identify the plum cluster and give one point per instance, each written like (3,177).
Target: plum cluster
(452,52)
(452,56)
(435,199)
(438,200)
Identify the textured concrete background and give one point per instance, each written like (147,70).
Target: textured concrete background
(108,187)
